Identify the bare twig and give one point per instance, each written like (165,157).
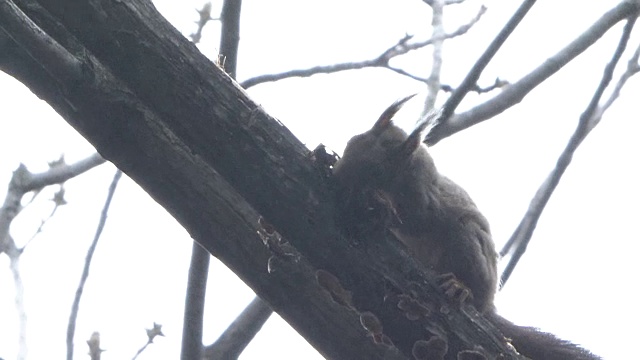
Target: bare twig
(445,2)
(433,82)
(95,352)
(58,200)
(151,334)
(400,48)
(23,182)
(515,92)
(497,84)
(240,333)
(14,265)
(205,17)
(71,327)
(472,77)
(518,242)
(633,67)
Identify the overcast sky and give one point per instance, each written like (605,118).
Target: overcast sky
(576,280)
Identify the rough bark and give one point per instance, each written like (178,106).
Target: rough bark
(182,129)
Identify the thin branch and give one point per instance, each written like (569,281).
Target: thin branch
(71,327)
(515,92)
(240,333)
(151,335)
(407,74)
(62,173)
(472,77)
(44,221)
(205,17)
(23,182)
(633,67)
(518,242)
(400,48)
(192,327)
(433,82)
(14,265)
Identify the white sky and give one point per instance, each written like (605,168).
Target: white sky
(576,280)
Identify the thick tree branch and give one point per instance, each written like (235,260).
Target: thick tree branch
(514,93)
(517,244)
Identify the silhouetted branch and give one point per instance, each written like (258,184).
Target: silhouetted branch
(205,17)
(515,92)
(14,266)
(151,334)
(497,84)
(518,242)
(400,48)
(21,183)
(633,67)
(192,326)
(433,82)
(230,35)
(472,77)
(240,333)
(71,327)
(445,2)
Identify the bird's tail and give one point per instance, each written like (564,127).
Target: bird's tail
(538,345)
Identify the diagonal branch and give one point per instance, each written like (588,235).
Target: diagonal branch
(474,74)
(23,182)
(195,296)
(403,46)
(240,333)
(517,244)
(71,326)
(515,92)
(24,31)
(633,67)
